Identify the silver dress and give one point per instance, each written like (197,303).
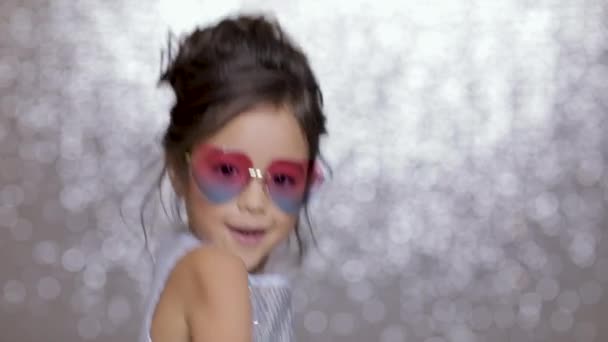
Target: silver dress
(272,316)
(270,293)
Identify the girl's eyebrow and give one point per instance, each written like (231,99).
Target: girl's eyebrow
(227,149)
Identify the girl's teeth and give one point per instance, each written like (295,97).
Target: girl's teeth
(249,237)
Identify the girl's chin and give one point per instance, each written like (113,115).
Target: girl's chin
(253,263)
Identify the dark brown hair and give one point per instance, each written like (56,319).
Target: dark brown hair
(222,70)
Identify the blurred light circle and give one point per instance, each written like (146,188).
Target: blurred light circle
(23,230)
(359,291)
(568,301)
(299,300)
(46,252)
(481,318)
(393,333)
(94,276)
(374,311)
(591,292)
(73,260)
(561,321)
(89,328)
(119,310)
(315,322)
(342,324)
(49,288)
(14,292)
(547,288)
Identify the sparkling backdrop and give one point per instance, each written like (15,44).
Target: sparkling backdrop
(467,140)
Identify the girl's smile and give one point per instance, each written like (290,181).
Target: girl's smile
(248,237)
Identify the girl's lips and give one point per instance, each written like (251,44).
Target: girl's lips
(249,237)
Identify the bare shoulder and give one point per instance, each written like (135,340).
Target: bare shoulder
(209,266)
(206,294)
(217,296)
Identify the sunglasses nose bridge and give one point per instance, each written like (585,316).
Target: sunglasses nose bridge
(257,174)
(254,197)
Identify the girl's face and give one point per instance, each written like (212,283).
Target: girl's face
(245,183)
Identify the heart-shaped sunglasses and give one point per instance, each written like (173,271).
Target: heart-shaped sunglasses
(222,174)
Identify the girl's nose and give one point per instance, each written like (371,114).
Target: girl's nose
(253,198)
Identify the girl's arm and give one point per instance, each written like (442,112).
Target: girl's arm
(220,311)
(209,300)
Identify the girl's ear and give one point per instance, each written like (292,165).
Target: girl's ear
(317,175)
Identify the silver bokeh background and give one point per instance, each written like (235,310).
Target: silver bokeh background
(467,139)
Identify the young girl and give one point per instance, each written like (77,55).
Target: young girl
(240,152)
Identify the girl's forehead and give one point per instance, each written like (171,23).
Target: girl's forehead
(264,134)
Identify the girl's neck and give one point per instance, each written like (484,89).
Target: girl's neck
(260,267)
